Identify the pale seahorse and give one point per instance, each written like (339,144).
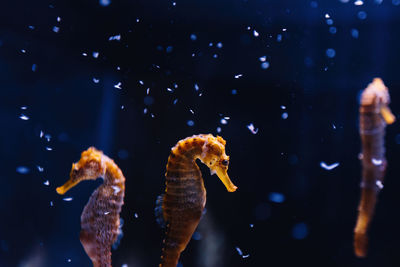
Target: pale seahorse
(100,220)
(374,115)
(185,195)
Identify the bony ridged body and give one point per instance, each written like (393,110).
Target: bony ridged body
(100,221)
(374,115)
(185,195)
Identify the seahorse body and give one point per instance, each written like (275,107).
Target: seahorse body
(374,115)
(100,217)
(185,195)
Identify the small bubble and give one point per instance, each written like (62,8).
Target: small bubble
(332,30)
(300,231)
(193,37)
(23,170)
(330,52)
(314,4)
(136,215)
(219,129)
(169,49)
(95,54)
(329,21)
(104,2)
(34,67)
(96,80)
(285,115)
(255,33)
(234,92)
(265,65)
(279,38)
(56,29)
(219,45)
(190,123)
(196,236)
(362,15)
(276,197)
(354,33)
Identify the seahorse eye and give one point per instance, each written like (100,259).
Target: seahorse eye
(225,162)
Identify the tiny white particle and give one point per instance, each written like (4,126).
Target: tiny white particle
(379,184)
(191,111)
(46,182)
(196,87)
(263,58)
(283,107)
(116,189)
(255,33)
(136,215)
(56,29)
(118,85)
(376,162)
(284,29)
(252,129)
(358,3)
(251,225)
(41,134)
(24,117)
(329,167)
(23,51)
(84,54)
(147,91)
(58,19)
(124,265)
(40,169)
(69,260)
(219,129)
(48,148)
(51,204)
(170,90)
(237,76)
(175,101)
(141,82)
(144,110)
(239,251)
(106,212)
(96,80)
(224,121)
(95,54)
(115,38)
(219,45)
(68,199)
(327,16)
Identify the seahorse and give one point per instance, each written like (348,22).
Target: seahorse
(374,115)
(185,196)
(100,221)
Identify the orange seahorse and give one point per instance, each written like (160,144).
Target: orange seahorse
(100,220)
(185,196)
(374,115)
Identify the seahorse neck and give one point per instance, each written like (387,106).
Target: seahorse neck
(113,175)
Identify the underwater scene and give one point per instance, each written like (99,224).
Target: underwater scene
(199,133)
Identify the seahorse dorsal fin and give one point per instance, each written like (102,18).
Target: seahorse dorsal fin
(158,212)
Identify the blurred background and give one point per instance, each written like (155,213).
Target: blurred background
(279,80)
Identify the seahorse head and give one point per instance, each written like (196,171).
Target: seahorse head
(89,167)
(214,156)
(377,95)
